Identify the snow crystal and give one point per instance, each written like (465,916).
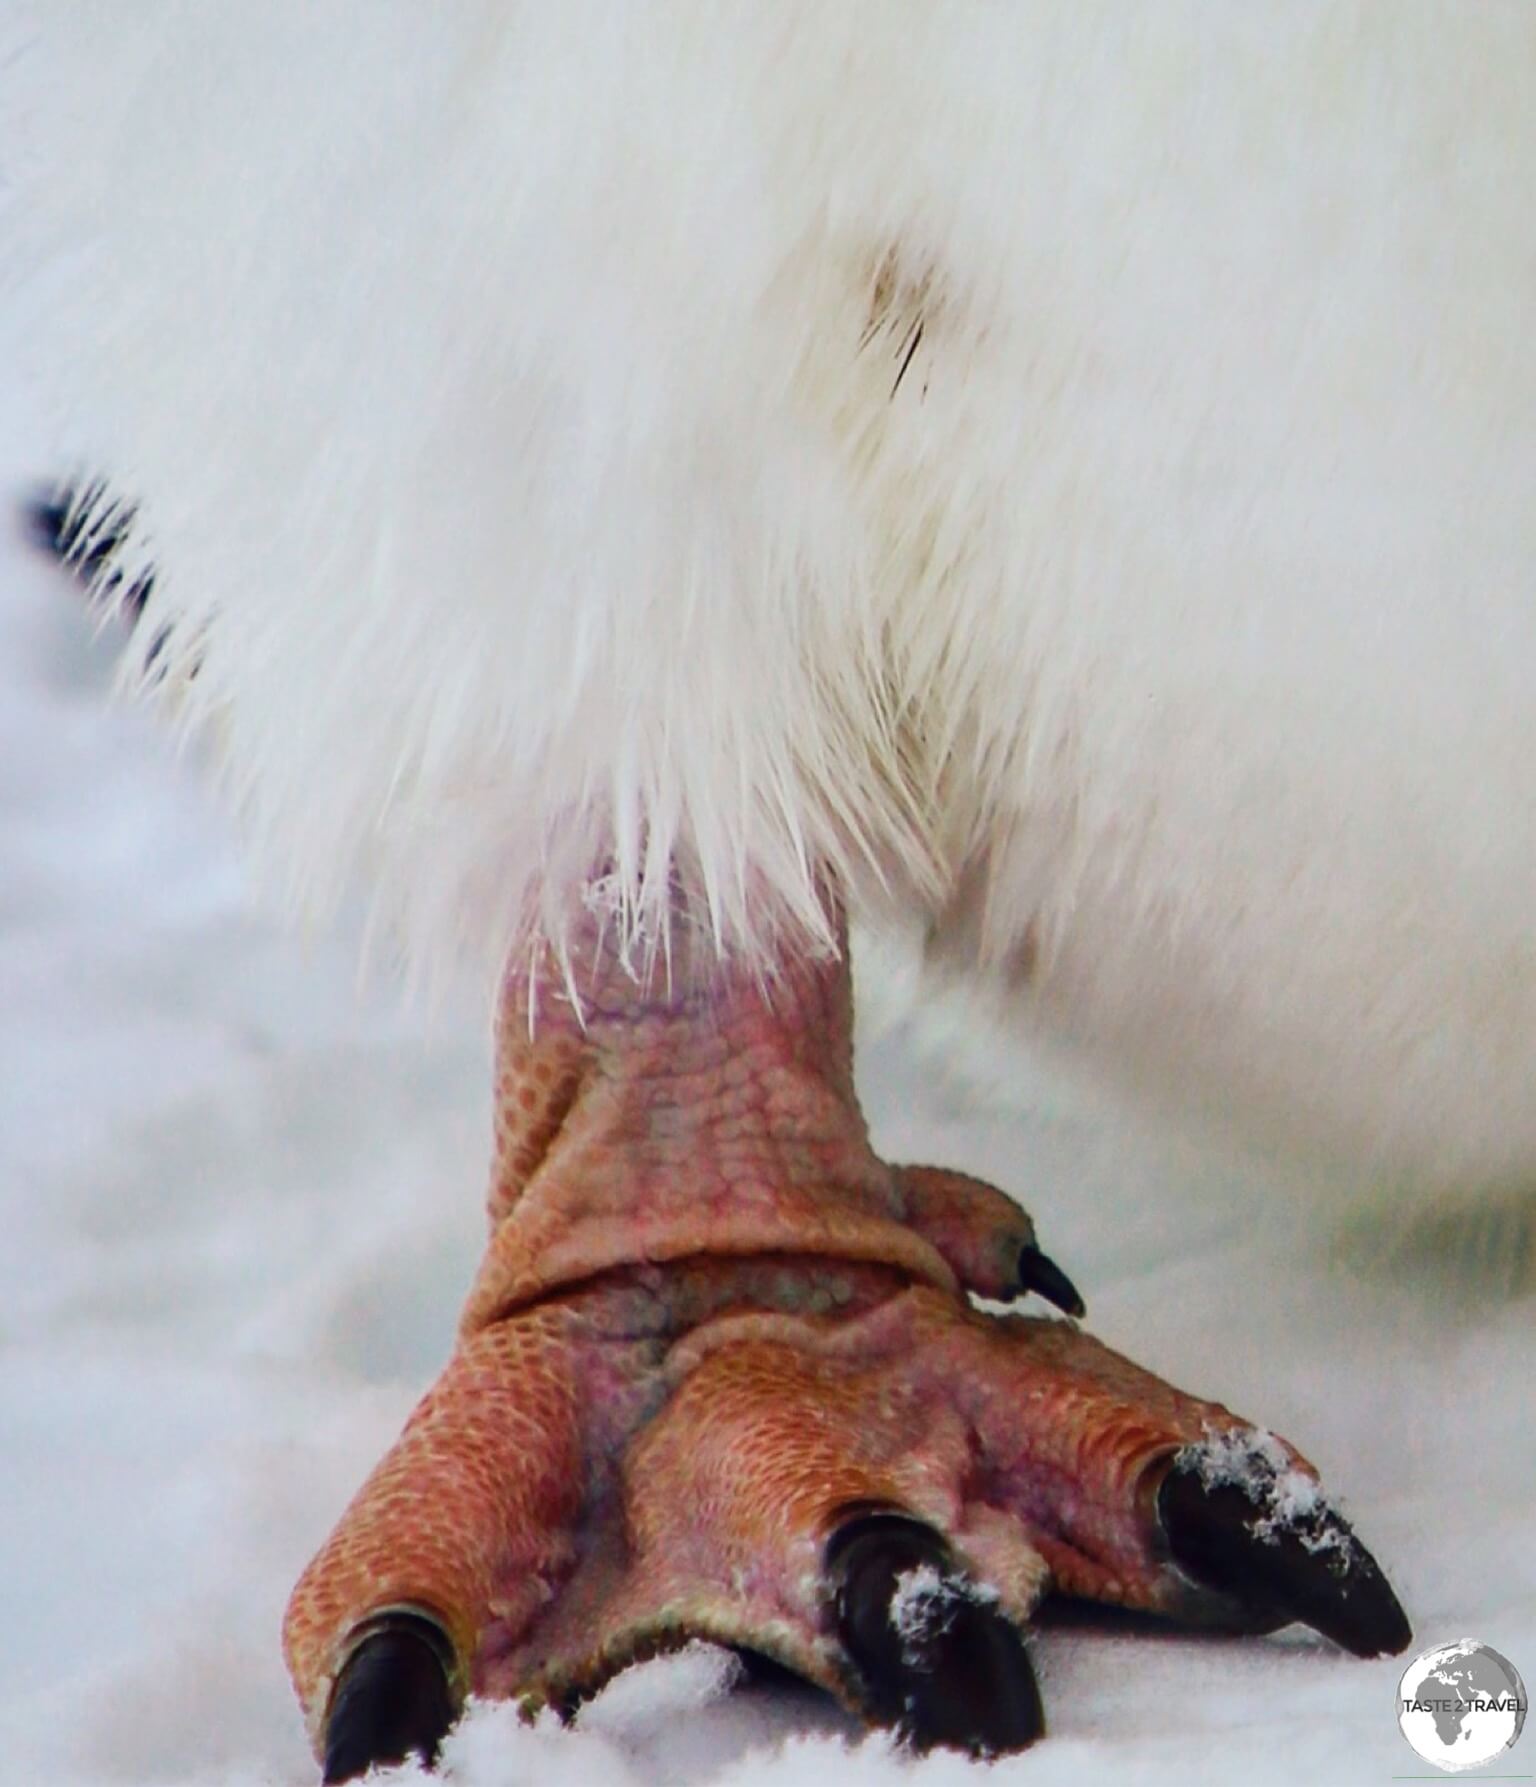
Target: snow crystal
(923,1606)
(1289,1499)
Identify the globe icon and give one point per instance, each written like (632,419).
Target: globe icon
(1461,1705)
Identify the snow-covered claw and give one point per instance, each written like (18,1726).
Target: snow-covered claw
(937,1659)
(1239,1520)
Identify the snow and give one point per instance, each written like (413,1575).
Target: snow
(1256,1461)
(242,1204)
(924,1603)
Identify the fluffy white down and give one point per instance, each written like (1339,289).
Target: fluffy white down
(515,397)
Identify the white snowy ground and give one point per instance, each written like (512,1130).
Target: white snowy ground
(241,1203)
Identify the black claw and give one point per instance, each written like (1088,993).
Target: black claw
(1038,1272)
(935,1655)
(1307,1566)
(393,1699)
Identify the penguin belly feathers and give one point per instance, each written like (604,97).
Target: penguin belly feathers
(1068,480)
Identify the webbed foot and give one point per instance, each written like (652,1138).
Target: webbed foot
(721,1377)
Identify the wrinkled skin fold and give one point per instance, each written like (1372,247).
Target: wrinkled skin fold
(721,1376)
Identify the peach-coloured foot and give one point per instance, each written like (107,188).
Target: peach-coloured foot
(720,1375)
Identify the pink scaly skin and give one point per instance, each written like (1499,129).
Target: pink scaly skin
(716,1345)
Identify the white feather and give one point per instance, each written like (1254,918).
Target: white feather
(1066,471)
